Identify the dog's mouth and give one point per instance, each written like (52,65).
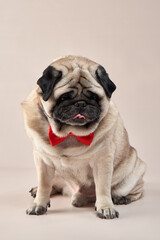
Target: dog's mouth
(77,117)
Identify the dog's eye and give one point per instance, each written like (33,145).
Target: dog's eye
(63,97)
(93,96)
(66,96)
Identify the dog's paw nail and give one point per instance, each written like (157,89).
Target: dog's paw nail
(117,214)
(31,210)
(107,213)
(31,190)
(36,210)
(121,200)
(40,210)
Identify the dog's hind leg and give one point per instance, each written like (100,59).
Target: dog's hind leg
(135,194)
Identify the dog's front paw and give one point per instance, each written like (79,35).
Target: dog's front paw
(107,212)
(37,209)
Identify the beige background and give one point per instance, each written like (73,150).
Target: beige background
(123,36)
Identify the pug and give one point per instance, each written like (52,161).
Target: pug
(80,144)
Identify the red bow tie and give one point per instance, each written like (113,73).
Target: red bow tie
(54,140)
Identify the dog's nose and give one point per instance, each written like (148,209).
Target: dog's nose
(81,104)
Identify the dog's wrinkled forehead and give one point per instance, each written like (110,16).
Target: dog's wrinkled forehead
(77,77)
(74,72)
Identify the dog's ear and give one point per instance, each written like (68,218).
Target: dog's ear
(47,82)
(104,80)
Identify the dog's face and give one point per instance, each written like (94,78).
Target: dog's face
(77,109)
(75,94)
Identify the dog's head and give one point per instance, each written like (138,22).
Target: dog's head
(75,94)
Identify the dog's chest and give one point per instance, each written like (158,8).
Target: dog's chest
(72,170)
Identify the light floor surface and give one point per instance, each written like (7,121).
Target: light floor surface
(139,220)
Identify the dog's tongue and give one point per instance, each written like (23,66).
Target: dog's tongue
(79,116)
